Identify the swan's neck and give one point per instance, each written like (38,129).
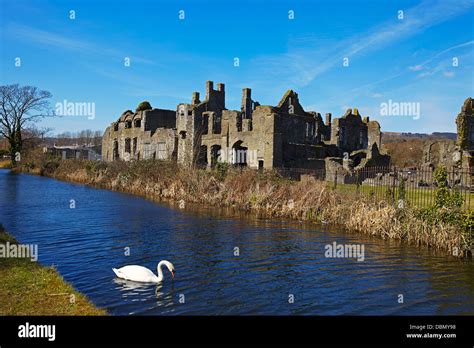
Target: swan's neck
(160,272)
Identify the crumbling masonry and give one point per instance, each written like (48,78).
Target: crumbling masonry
(454,155)
(204,132)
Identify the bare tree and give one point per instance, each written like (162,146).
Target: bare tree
(19,107)
(33,136)
(97,138)
(36,133)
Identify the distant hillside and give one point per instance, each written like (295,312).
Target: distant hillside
(406,149)
(395,136)
(445,135)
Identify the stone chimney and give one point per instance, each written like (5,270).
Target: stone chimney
(209,88)
(246,105)
(328,119)
(195,99)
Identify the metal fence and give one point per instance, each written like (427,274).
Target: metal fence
(416,186)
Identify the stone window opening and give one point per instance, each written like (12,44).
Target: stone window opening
(127,145)
(238,122)
(138,123)
(182,134)
(128,124)
(215,155)
(239,154)
(115,152)
(202,156)
(135,141)
(205,124)
(116,127)
(216,125)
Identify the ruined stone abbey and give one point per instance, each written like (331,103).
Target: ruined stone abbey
(204,132)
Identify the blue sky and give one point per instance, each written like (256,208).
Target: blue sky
(403,60)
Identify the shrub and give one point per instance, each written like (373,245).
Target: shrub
(446,209)
(221,169)
(95,167)
(49,167)
(444,198)
(402,189)
(144,105)
(467,226)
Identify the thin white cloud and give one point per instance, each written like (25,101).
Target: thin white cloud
(443,65)
(417,67)
(422,65)
(51,39)
(300,66)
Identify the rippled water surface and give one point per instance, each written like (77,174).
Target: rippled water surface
(277,258)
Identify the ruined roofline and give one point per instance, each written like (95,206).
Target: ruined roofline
(129,113)
(355,112)
(246,92)
(196,102)
(287,94)
(269,108)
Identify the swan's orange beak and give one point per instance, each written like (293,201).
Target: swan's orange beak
(172,274)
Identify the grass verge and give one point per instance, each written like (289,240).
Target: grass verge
(27,288)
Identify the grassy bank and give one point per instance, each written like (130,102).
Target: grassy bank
(442,227)
(27,288)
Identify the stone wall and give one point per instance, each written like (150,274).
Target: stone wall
(442,152)
(141,135)
(158,118)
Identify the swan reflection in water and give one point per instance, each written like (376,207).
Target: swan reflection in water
(139,291)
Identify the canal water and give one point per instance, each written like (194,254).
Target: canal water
(279,267)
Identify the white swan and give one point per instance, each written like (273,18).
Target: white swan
(143,274)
